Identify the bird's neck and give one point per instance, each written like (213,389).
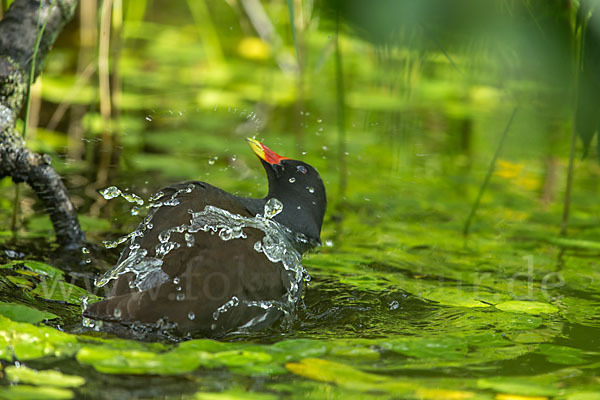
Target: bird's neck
(288,218)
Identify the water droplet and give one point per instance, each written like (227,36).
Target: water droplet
(324,148)
(133,198)
(191,316)
(272,208)
(180,297)
(329,243)
(189,239)
(394,305)
(117,313)
(212,160)
(233,157)
(304,153)
(319,121)
(178,288)
(234,302)
(113,191)
(299,208)
(148,118)
(292,180)
(85,250)
(310,189)
(110,192)
(302,169)
(176,280)
(156,196)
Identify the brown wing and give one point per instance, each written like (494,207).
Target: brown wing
(208,274)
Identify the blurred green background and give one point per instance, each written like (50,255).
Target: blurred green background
(401,106)
(421,90)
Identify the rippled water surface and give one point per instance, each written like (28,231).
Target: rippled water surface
(399,305)
(401,110)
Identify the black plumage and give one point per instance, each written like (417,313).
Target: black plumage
(209,285)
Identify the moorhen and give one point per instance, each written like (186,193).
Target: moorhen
(208,262)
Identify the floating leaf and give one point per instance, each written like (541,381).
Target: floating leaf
(561,354)
(503,396)
(26,392)
(427,348)
(236,358)
(48,377)
(528,307)
(584,395)
(57,289)
(457,297)
(21,313)
(333,372)
(137,362)
(39,268)
(446,394)
(297,349)
(518,385)
(235,395)
(24,341)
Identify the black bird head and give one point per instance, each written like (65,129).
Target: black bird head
(298,186)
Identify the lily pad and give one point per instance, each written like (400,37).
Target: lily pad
(528,307)
(234,395)
(21,313)
(137,362)
(561,354)
(341,374)
(58,289)
(430,348)
(48,377)
(518,385)
(26,392)
(24,341)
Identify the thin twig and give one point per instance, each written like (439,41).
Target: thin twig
(290,4)
(489,173)
(105,99)
(567,201)
(17,198)
(67,101)
(341,103)
(32,69)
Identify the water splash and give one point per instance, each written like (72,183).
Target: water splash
(146,270)
(189,239)
(111,244)
(113,191)
(279,245)
(272,208)
(233,302)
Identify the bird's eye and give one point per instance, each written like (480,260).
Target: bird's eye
(302,169)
